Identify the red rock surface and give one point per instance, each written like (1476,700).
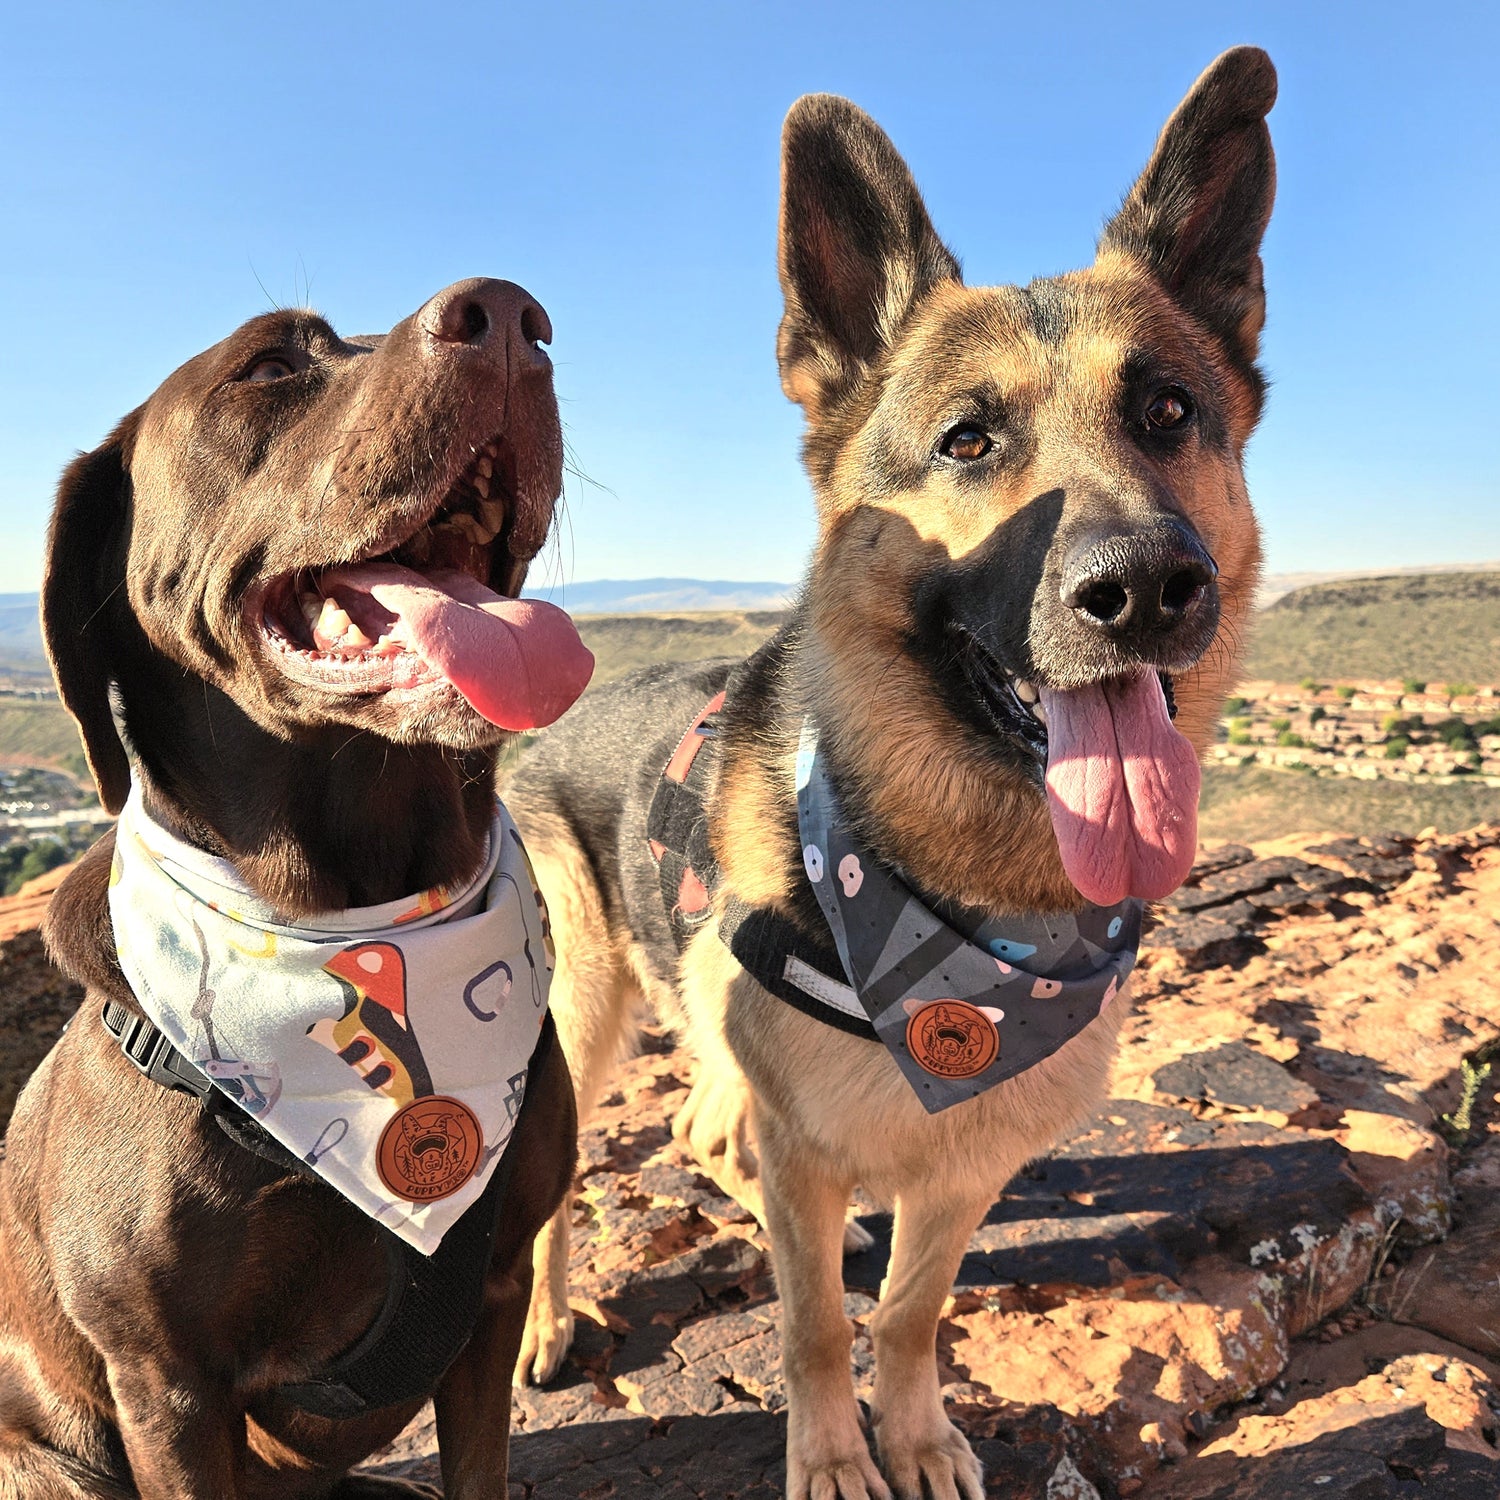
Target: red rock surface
(1268,1269)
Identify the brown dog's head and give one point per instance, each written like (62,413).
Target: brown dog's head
(1034,530)
(293,523)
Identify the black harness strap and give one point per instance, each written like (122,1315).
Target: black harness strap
(432,1303)
(764,941)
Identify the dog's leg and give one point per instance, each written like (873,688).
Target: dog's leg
(184,1439)
(472,1403)
(713,1125)
(591,1032)
(922,1452)
(590,1001)
(806,1197)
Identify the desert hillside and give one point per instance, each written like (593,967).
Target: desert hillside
(1440,627)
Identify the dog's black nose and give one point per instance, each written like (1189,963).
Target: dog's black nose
(483,312)
(1139,585)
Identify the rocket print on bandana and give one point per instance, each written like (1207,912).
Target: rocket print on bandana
(374,1035)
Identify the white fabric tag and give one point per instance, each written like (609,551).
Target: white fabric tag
(387,1046)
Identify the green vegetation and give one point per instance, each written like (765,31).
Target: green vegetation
(1396,749)
(22,862)
(1288,738)
(1432,627)
(1473,1071)
(1345,691)
(1461,689)
(1281,725)
(1311,685)
(1413,685)
(1316,714)
(1235,706)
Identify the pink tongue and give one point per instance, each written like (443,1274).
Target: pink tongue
(519,662)
(1122,785)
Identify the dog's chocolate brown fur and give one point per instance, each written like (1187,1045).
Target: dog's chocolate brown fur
(157,1281)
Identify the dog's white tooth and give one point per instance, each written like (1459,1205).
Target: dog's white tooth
(354,638)
(492,513)
(482,485)
(486,465)
(1026,691)
(312,607)
(332,618)
(1039,713)
(468,526)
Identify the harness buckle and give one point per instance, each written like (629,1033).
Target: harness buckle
(151,1053)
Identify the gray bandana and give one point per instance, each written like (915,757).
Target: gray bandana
(962,1000)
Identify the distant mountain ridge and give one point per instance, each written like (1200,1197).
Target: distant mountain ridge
(21,631)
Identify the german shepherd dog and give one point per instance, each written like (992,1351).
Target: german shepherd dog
(1034,534)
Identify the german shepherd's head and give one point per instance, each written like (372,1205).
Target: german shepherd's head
(1035,542)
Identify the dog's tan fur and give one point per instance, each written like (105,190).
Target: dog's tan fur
(880,344)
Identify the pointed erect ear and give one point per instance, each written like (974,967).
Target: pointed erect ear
(1196,217)
(85,571)
(857,249)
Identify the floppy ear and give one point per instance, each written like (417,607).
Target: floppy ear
(85,569)
(857,249)
(1196,216)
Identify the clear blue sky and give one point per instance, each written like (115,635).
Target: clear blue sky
(166,170)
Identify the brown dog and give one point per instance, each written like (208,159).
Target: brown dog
(1031,511)
(160,1283)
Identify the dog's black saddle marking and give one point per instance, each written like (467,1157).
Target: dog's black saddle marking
(764,941)
(432,1303)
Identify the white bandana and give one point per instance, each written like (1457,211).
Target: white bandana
(386,1046)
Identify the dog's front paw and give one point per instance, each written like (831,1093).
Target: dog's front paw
(853,1477)
(937,1462)
(544,1343)
(827,1457)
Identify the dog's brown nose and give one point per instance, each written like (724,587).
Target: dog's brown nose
(483,313)
(1138,585)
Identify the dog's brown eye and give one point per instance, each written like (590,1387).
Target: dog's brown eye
(1170,408)
(269,369)
(966,444)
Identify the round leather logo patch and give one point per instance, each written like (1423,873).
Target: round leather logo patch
(952,1039)
(430,1149)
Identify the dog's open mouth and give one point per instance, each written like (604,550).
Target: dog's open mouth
(1122,783)
(435,607)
